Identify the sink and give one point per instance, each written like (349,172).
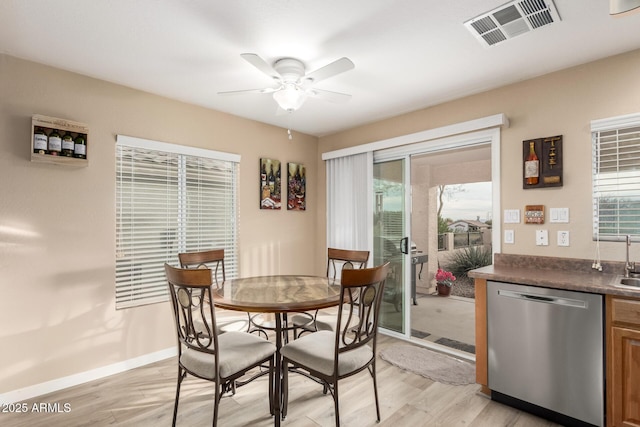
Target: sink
(630,281)
(627,282)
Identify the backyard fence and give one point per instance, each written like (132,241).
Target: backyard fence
(460,240)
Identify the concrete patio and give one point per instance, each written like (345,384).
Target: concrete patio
(448,321)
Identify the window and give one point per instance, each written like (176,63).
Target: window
(169,199)
(616,177)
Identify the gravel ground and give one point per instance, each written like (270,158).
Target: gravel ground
(464,287)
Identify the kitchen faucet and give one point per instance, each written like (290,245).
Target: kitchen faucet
(628,266)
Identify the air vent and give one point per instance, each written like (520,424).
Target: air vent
(511,20)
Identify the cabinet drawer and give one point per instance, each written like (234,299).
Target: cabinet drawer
(625,311)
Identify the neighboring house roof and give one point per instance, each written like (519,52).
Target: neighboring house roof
(469,223)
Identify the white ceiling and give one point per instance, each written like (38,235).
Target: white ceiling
(408,54)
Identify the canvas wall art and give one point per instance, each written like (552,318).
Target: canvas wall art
(297,187)
(270,184)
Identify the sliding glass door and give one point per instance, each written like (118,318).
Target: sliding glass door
(390,242)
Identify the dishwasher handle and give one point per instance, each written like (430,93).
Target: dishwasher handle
(548,299)
(537,298)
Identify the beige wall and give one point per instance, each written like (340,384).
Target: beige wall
(562,103)
(57,224)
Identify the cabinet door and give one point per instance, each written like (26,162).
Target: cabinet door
(625,381)
(482,365)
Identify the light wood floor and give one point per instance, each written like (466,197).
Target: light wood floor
(144,397)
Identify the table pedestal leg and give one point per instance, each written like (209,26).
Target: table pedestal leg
(277,377)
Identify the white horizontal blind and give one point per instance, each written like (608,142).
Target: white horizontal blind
(616,178)
(166,203)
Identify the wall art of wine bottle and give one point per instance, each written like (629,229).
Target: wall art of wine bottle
(542,162)
(59,141)
(270,184)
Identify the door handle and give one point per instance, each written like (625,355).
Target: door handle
(404,245)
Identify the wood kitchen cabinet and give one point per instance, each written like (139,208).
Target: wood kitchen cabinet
(482,366)
(622,321)
(623,366)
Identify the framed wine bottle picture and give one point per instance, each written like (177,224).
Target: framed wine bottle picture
(297,187)
(59,141)
(270,184)
(542,162)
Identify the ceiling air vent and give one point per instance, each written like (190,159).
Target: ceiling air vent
(511,20)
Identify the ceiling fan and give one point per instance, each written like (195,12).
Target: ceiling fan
(293,85)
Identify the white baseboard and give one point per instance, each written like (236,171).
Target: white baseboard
(83,377)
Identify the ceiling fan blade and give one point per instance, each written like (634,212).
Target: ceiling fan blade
(336,67)
(236,92)
(261,65)
(327,95)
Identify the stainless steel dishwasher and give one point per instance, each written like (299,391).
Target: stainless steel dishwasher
(545,352)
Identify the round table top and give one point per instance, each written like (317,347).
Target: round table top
(278,294)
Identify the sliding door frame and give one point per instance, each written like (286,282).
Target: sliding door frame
(472,133)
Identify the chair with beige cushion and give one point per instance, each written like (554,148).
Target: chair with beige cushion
(203,353)
(330,356)
(338,260)
(213,259)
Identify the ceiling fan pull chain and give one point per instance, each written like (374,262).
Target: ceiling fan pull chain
(289,126)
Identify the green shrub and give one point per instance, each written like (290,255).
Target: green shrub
(468,259)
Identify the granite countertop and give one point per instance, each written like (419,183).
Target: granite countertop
(558,273)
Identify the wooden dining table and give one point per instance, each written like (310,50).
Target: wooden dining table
(279,295)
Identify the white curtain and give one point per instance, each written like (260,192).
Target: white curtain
(350,202)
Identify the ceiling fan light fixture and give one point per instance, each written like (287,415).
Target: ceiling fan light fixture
(290,98)
(617,7)
(294,85)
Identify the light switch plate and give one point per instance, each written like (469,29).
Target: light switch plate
(559,215)
(563,215)
(542,237)
(512,216)
(509,236)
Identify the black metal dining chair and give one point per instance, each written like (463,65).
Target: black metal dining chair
(202,352)
(338,260)
(329,356)
(213,259)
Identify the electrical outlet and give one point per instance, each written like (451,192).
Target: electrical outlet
(542,238)
(563,238)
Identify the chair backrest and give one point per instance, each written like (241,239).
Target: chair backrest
(212,259)
(361,296)
(343,259)
(190,289)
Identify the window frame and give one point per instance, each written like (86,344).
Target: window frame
(615,142)
(191,194)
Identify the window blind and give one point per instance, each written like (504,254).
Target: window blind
(616,177)
(169,201)
(349,200)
